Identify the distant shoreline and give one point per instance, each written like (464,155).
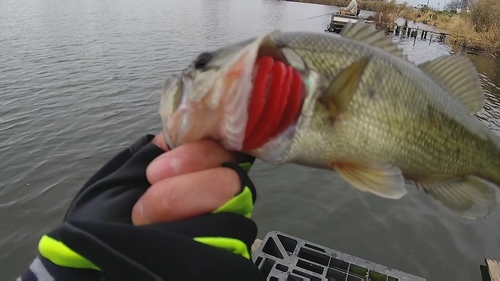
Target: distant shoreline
(479,30)
(373,6)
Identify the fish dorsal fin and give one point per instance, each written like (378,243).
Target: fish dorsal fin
(367,33)
(386,181)
(339,93)
(459,77)
(471,196)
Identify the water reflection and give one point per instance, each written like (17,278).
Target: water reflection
(488,67)
(490,114)
(420,51)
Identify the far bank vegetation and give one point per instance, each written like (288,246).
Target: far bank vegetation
(479,28)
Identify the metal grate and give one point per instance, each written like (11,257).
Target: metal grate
(284,257)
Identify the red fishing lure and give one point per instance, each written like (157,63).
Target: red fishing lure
(275,102)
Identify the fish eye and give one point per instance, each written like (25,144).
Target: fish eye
(202,60)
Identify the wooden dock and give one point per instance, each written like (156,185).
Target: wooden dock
(406,29)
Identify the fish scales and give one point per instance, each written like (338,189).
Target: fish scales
(352,141)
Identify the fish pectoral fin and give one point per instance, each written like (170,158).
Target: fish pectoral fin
(470,196)
(459,77)
(386,181)
(341,90)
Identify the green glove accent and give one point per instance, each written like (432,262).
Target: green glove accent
(241,204)
(233,245)
(246,166)
(60,254)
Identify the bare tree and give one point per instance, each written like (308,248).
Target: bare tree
(454,5)
(465,5)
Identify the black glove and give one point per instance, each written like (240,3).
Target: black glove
(97,240)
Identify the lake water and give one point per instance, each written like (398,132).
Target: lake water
(80,80)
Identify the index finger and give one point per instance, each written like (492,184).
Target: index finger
(189,158)
(186,196)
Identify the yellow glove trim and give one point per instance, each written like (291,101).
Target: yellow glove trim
(241,204)
(246,166)
(233,245)
(60,254)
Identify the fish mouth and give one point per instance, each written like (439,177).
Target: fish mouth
(215,106)
(216,103)
(169,102)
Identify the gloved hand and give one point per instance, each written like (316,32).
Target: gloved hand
(98,240)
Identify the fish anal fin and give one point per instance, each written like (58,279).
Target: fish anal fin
(459,77)
(386,181)
(367,33)
(339,93)
(470,196)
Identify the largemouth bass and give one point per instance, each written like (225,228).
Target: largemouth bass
(351,103)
